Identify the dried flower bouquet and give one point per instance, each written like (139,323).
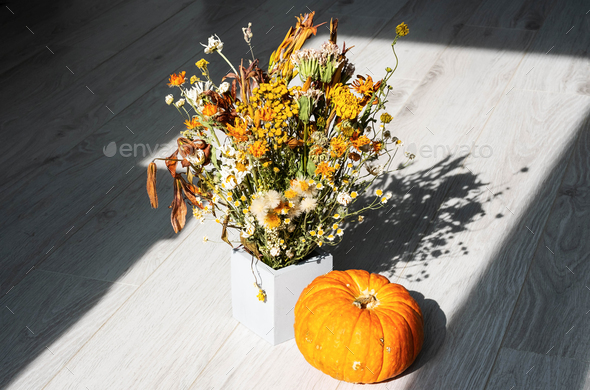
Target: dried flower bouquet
(279,160)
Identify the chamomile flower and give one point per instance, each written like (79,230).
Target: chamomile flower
(312,233)
(243,198)
(378,192)
(331,237)
(320,232)
(237,203)
(361,218)
(205,238)
(287,221)
(339,232)
(319,186)
(353,194)
(343,198)
(336,216)
(320,243)
(335,226)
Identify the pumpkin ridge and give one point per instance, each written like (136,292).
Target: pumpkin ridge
(410,346)
(346,352)
(376,314)
(322,327)
(395,332)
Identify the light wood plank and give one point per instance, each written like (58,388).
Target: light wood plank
(46,319)
(526,370)
(245,360)
(440,116)
(553,311)
(479,272)
(433,26)
(167,331)
(125,241)
(565,37)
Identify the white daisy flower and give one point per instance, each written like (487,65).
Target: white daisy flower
(214,44)
(223,88)
(343,198)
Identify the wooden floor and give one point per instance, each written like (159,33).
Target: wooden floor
(489,227)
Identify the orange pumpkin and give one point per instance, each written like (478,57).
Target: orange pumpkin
(358,327)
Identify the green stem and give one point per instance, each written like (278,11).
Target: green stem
(226,60)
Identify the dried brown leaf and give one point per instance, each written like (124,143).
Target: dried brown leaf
(151,185)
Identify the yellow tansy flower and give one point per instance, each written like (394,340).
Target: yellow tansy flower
(386,118)
(402,29)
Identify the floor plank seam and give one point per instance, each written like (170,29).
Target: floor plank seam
(118,308)
(213,356)
(87,278)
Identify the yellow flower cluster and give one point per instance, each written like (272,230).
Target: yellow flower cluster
(202,64)
(402,29)
(338,146)
(258,148)
(386,118)
(270,108)
(347,105)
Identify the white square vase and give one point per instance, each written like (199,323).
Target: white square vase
(274,318)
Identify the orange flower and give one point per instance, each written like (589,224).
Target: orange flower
(360,141)
(338,146)
(258,148)
(209,110)
(266,114)
(239,131)
(377,146)
(363,86)
(193,123)
(176,80)
(271,220)
(325,170)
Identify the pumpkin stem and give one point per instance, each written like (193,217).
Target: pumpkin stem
(366,302)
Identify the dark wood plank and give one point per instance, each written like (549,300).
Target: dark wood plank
(75,114)
(47,20)
(46,319)
(522,14)
(558,59)
(552,313)
(527,370)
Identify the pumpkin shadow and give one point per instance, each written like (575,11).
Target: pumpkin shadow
(435,330)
